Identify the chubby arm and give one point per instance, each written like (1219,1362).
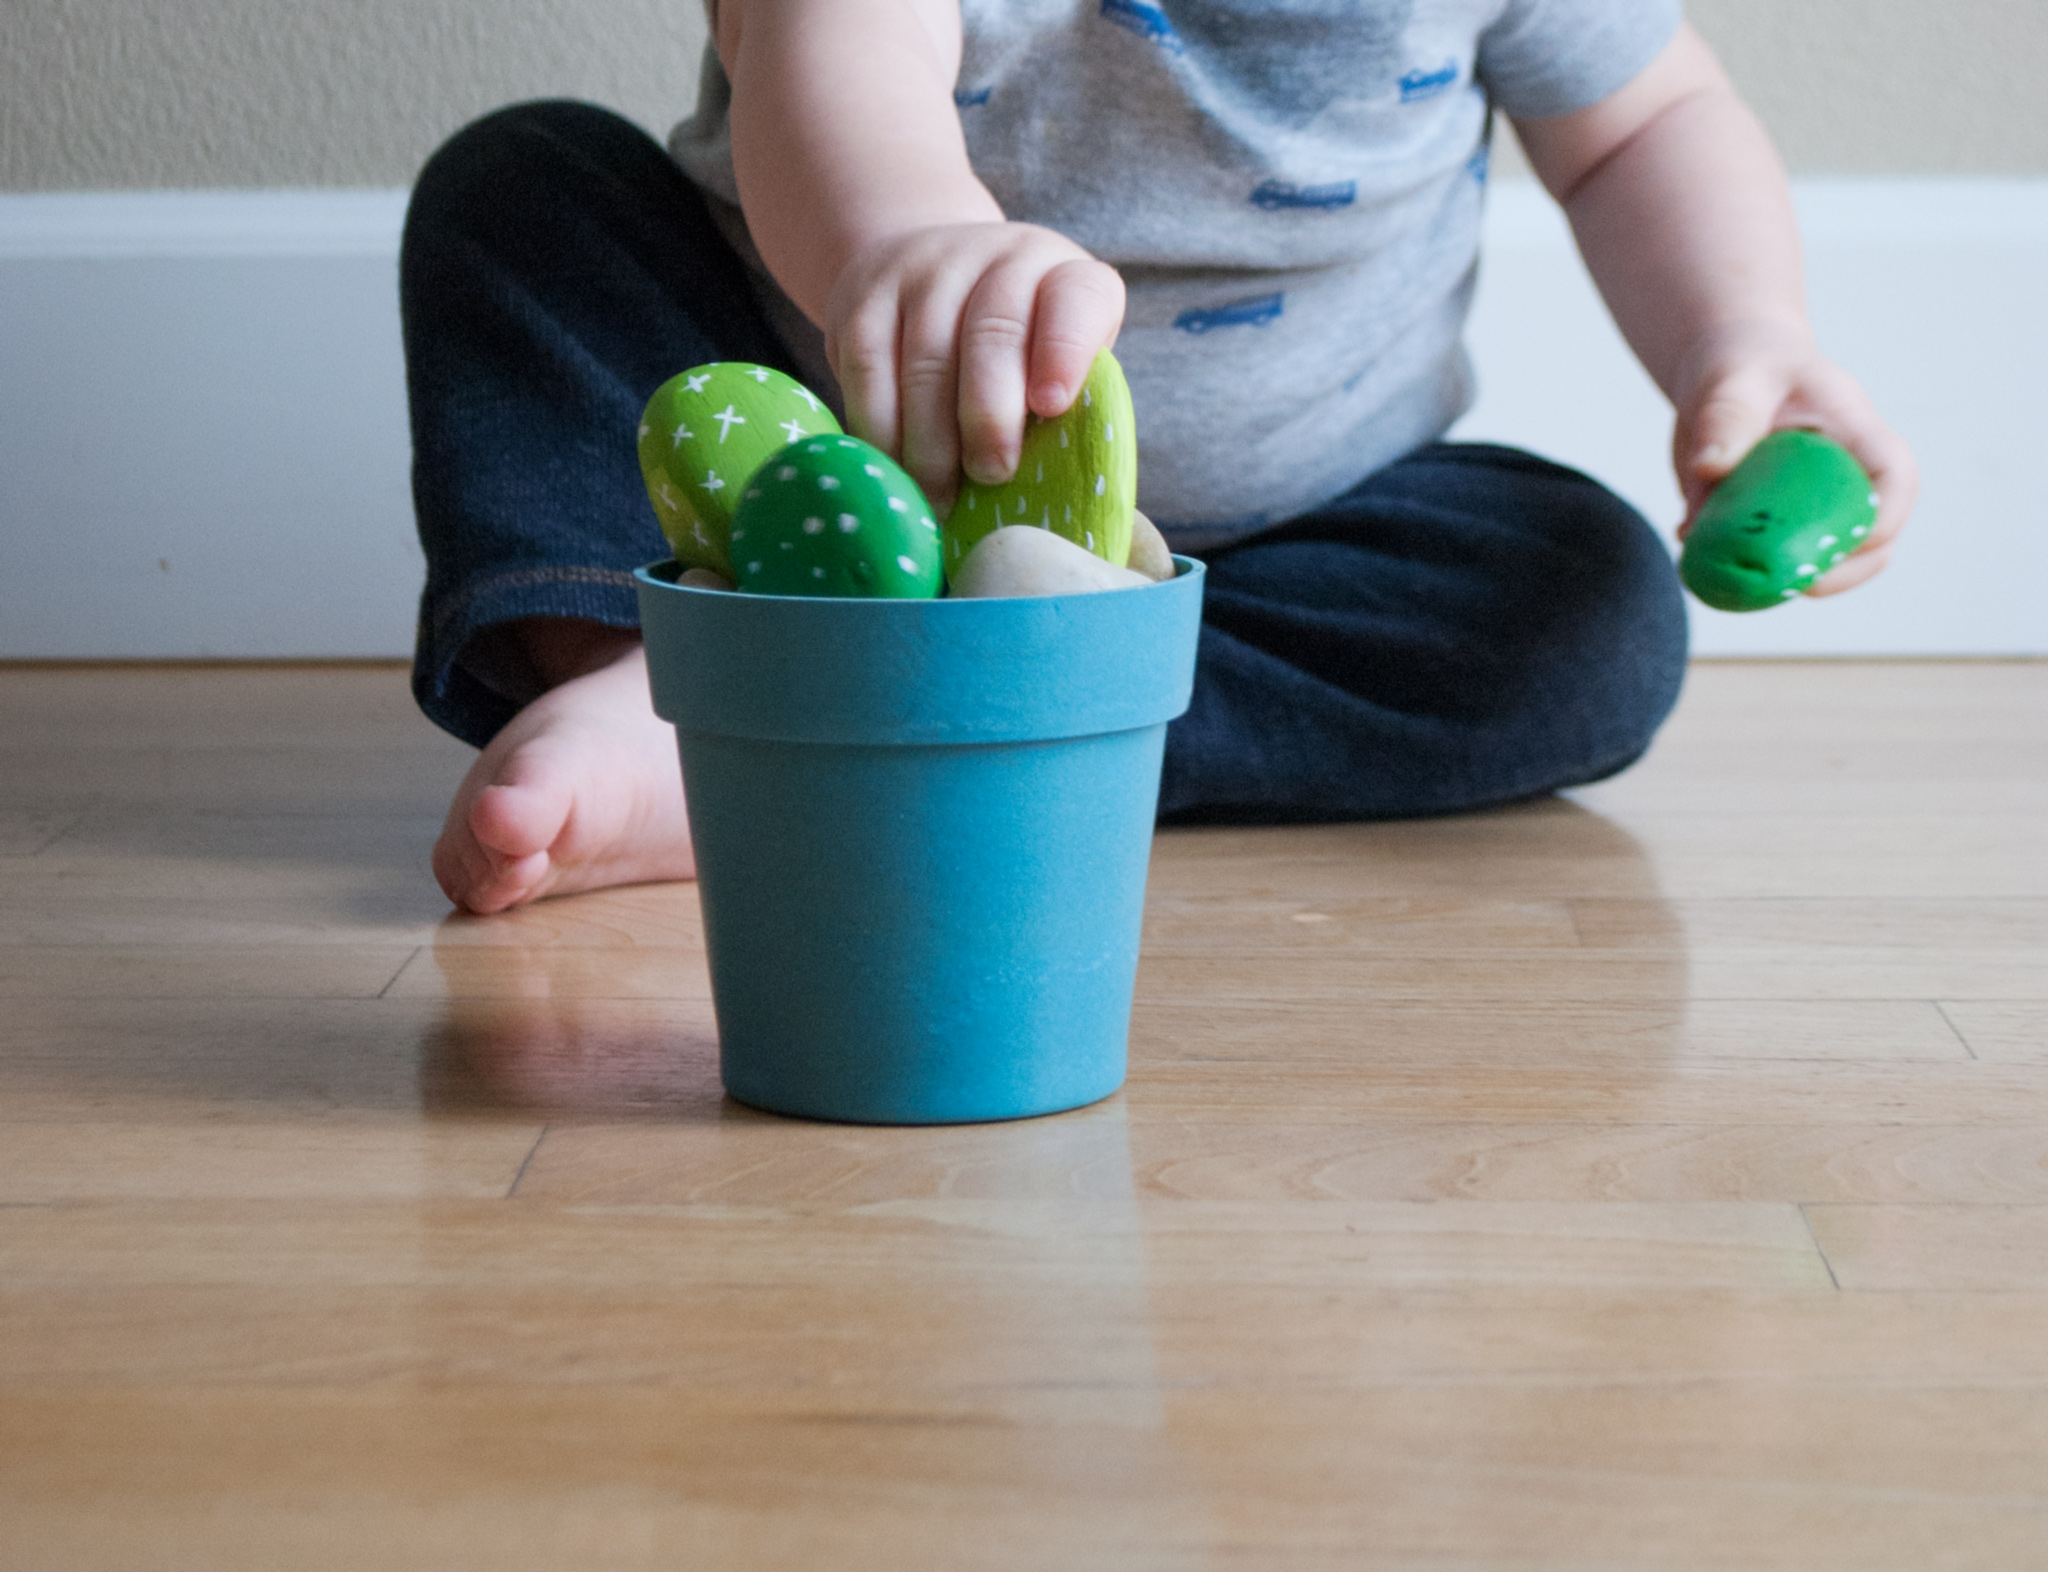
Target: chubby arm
(1685,220)
(944,322)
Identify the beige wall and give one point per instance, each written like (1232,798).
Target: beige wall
(178,93)
(1892,86)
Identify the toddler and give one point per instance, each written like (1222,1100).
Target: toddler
(935,212)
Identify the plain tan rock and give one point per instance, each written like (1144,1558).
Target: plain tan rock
(1150,555)
(1021,559)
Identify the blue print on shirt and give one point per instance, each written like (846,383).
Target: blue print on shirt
(1275,195)
(967,98)
(1147,21)
(1255,312)
(1479,163)
(1418,85)
(1286,61)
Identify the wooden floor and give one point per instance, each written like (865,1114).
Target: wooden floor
(1652,1180)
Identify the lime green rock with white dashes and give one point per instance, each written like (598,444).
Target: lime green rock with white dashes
(1078,476)
(835,516)
(703,435)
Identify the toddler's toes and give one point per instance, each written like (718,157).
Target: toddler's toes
(470,875)
(518,818)
(460,865)
(507,883)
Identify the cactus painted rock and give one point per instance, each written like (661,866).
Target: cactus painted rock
(1077,476)
(835,516)
(703,435)
(1021,559)
(1795,506)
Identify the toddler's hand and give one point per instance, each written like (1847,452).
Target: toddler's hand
(1749,381)
(942,337)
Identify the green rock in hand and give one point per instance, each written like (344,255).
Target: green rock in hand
(1797,505)
(1077,476)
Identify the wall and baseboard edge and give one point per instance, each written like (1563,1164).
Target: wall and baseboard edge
(203,447)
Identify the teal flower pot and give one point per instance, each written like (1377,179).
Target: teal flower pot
(922,832)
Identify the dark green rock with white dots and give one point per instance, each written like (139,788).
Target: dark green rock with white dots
(835,516)
(1796,506)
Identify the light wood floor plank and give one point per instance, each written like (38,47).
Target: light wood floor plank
(130,971)
(1777,1480)
(1236,1160)
(501,971)
(1026,1250)
(344,1160)
(1957,1248)
(880,1337)
(1543,852)
(24,831)
(409,781)
(2015,1030)
(1894,972)
(1760,1094)
(1524,1031)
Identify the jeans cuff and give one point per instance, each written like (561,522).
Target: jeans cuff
(468,677)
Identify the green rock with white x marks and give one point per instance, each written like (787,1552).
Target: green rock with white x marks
(703,435)
(1077,476)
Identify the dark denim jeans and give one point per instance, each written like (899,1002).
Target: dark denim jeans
(1468,626)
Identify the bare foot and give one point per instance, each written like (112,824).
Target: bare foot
(581,790)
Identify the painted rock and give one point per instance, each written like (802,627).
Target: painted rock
(1792,509)
(703,435)
(1077,476)
(1022,559)
(835,516)
(1150,555)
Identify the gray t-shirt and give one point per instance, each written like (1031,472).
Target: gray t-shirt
(1291,190)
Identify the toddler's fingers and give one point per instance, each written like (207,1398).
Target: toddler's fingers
(1080,306)
(1827,399)
(1731,416)
(1867,563)
(928,383)
(995,329)
(1894,476)
(863,357)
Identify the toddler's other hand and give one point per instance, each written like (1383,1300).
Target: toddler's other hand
(943,337)
(1748,381)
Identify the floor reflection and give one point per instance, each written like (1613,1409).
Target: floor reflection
(1390,1083)
(565,1030)
(857,1290)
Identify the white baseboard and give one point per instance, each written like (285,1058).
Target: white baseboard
(203,445)
(203,441)
(102,226)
